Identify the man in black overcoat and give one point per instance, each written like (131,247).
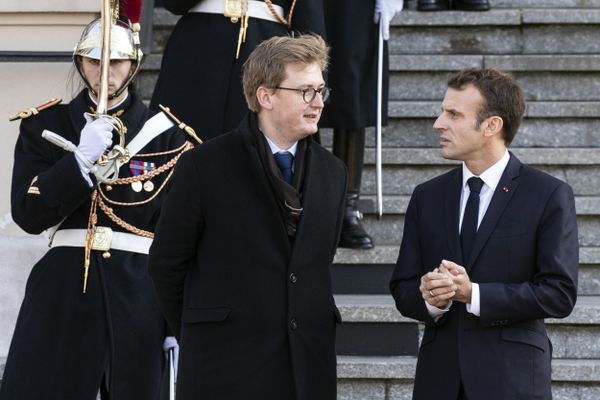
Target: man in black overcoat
(242,253)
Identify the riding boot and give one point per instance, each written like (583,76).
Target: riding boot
(349,146)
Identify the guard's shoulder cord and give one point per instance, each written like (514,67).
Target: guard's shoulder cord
(28,112)
(287,21)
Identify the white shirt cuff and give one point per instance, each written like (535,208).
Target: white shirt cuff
(474,308)
(435,312)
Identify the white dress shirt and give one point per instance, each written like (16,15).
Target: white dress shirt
(275,149)
(491,178)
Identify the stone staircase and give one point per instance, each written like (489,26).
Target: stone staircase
(553,48)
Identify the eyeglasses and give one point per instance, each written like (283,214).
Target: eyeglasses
(309,94)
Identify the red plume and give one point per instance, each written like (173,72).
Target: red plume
(131,9)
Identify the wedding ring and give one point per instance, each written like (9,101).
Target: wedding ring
(431,293)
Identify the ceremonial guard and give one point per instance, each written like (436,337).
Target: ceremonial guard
(353,32)
(201,71)
(90,321)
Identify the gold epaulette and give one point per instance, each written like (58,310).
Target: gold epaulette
(28,112)
(186,128)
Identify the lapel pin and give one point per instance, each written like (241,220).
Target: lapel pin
(505,189)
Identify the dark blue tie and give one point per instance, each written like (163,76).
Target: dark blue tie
(469,223)
(285,160)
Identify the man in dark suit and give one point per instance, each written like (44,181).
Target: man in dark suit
(243,248)
(489,250)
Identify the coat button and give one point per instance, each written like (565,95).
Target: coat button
(293,278)
(293,324)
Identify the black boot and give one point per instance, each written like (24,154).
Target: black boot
(349,146)
(353,234)
(433,5)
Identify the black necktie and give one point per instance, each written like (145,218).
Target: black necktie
(284,160)
(469,223)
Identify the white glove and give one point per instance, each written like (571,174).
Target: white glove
(95,138)
(385,10)
(171,343)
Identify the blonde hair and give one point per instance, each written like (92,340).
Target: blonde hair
(266,64)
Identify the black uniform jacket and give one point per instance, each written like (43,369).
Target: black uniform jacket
(255,315)
(200,76)
(353,37)
(525,260)
(65,342)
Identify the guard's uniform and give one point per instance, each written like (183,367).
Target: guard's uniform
(353,37)
(67,342)
(200,75)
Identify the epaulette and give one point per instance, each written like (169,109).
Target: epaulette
(186,128)
(28,112)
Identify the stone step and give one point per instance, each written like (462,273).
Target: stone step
(373,326)
(585,205)
(498,31)
(565,370)
(375,278)
(434,62)
(535,109)
(381,309)
(517,16)
(369,271)
(401,180)
(533,132)
(532,156)
(536,85)
(390,378)
(388,230)
(543,4)
(431,85)
(514,62)
(388,255)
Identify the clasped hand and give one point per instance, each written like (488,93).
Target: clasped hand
(448,282)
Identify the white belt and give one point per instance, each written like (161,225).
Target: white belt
(256,9)
(104,240)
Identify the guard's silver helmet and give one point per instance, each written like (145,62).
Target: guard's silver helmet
(124,45)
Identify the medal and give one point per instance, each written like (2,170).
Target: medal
(148,186)
(136,186)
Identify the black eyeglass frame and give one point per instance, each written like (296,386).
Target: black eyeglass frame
(323,91)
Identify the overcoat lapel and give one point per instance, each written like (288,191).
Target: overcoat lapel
(504,192)
(452,211)
(307,200)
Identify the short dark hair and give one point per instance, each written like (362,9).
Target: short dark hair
(266,64)
(502,96)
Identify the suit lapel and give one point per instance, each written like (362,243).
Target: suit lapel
(504,192)
(452,211)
